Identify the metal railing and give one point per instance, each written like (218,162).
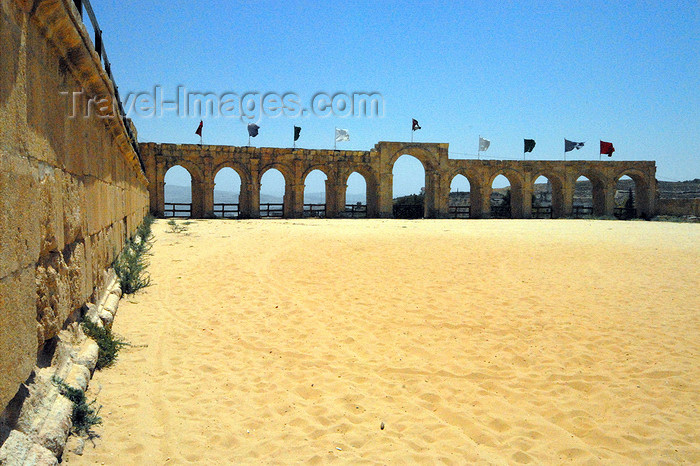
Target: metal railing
(459,211)
(225,210)
(314,210)
(355,211)
(102,53)
(579,211)
(500,211)
(271,209)
(174,209)
(541,211)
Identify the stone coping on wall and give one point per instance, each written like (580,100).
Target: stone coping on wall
(61,23)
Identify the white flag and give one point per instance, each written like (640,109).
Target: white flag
(341,135)
(483,144)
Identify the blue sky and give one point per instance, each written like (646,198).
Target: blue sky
(625,72)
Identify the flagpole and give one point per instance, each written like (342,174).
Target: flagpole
(294,143)
(478,149)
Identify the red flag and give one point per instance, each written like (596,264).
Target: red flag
(606,148)
(415,124)
(199,129)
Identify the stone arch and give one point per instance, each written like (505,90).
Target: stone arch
(474,190)
(322,167)
(309,210)
(557,182)
(173,195)
(598,189)
(411,209)
(288,175)
(197,184)
(643,188)
(244,194)
(285,169)
(426,157)
(516,181)
(196,172)
(371,186)
(239,168)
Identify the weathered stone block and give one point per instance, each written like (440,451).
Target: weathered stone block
(87,354)
(107,318)
(51,208)
(20,450)
(73,197)
(18,338)
(111,303)
(53,303)
(10,33)
(19,224)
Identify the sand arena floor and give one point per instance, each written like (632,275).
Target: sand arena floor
(292,341)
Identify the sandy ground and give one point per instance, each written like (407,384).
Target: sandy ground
(292,341)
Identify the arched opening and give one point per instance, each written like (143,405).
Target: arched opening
(625,198)
(460,197)
(542,198)
(177,192)
(356,196)
(227,192)
(272,193)
(501,197)
(589,197)
(583,198)
(315,194)
(408,187)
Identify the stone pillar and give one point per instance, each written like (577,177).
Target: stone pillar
(384,198)
(294,201)
(442,202)
(524,207)
(567,193)
(253,202)
(159,209)
(608,201)
(476,196)
(434,194)
(208,199)
(244,208)
(207,187)
(486,201)
(197,198)
(335,198)
(372,199)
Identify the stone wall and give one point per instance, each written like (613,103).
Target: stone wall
(679,207)
(71,189)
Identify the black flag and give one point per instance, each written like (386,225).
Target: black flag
(253,129)
(297,132)
(529,145)
(415,125)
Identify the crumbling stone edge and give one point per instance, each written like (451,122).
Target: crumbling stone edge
(43,424)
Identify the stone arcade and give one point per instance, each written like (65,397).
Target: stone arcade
(251,163)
